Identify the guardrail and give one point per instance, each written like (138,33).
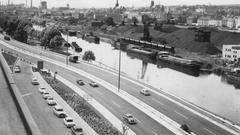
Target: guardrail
(28,121)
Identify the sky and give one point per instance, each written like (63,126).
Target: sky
(126,3)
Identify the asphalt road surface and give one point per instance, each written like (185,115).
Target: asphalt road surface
(179,114)
(11,123)
(43,115)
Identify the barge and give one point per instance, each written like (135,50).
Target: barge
(145,54)
(167,57)
(91,38)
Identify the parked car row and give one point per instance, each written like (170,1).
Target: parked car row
(58,110)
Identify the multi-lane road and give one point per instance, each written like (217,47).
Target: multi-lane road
(118,106)
(11,122)
(42,114)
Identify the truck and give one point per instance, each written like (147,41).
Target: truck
(73,58)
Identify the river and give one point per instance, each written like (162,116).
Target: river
(207,91)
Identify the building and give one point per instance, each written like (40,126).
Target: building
(237,22)
(190,20)
(44,5)
(213,22)
(231,23)
(203,21)
(231,52)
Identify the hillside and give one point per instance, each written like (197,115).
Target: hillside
(181,38)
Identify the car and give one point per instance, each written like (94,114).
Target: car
(42,90)
(35,81)
(145,92)
(129,118)
(46,95)
(77,130)
(68,122)
(93,84)
(7,38)
(59,112)
(80,82)
(16,69)
(51,101)
(186,128)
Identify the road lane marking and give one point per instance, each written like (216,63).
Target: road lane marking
(181,115)
(209,131)
(158,101)
(154,133)
(27,94)
(116,104)
(138,120)
(99,92)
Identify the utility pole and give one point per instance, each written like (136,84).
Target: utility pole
(67,45)
(119,70)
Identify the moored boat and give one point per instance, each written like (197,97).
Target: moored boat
(167,57)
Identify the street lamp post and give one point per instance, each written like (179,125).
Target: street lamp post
(119,70)
(67,45)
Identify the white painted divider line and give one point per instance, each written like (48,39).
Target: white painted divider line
(181,115)
(27,94)
(184,106)
(116,104)
(209,131)
(107,114)
(154,114)
(155,100)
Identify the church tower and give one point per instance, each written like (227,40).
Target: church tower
(117,4)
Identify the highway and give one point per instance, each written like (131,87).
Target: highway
(179,114)
(11,123)
(42,114)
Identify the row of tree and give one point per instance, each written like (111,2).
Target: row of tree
(22,30)
(17,28)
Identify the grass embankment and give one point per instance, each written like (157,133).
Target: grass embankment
(84,110)
(9,58)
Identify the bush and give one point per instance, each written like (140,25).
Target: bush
(88,56)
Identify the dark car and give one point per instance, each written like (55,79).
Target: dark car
(7,38)
(80,82)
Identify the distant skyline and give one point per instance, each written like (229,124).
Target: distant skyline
(126,3)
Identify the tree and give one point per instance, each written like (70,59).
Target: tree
(135,21)
(88,56)
(109,21)
(21,33)
(47,34)
(56,42)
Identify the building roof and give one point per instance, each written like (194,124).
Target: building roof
(236,47)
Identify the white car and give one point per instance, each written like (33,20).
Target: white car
(93,84)
(129,118)
(35,81)
(68,122)
(51,101)
(77,130)
(17,69)
(59,112)
(46,95)
(145,92)
(42,90)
